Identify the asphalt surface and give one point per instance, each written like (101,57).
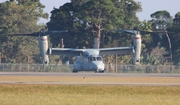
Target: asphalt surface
(90,74)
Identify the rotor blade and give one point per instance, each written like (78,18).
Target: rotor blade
(59,31)
(53,32)
(31,34)
(41,33)
(148,32)
(126,31)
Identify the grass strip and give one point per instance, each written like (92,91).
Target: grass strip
(88,95)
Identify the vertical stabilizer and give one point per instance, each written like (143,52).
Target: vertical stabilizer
(61,43)
(96,43)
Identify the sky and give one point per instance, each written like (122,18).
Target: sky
(148,7)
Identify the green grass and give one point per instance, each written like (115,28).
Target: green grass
(21,94)
(88,95)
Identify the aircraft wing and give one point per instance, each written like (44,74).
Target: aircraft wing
(65,51)
(116,50)
(102,51)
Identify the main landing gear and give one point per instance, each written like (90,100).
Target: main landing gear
(99,71)
(75,71)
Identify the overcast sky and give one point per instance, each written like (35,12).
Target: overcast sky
(148,6)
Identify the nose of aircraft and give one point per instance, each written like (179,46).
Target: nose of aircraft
(98,66)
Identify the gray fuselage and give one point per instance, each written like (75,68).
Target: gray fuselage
(90,60)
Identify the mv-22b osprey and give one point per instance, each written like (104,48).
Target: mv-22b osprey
(87,59)
(91,59)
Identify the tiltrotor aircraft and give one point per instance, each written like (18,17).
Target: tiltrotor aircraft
(91,59)
(88,59)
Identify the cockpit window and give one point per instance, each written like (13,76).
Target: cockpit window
(95,58)
(99,59)
(92,58)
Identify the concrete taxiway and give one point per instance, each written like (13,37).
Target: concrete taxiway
(89,78)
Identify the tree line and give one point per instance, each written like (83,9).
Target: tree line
(84,20)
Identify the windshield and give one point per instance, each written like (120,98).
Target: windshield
(95,58)
(99,59)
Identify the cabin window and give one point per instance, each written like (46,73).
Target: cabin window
(92,58)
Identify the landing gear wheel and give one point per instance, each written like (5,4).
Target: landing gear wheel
(96,71)
(75,71)
(102,71)
(99,71)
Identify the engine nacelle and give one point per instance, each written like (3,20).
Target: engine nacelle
(137,48)
(43,45)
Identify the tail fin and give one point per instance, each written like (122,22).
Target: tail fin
(61,43)
(96,43)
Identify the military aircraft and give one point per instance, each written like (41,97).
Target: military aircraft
(91,59)
(87,59)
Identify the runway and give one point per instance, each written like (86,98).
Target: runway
(89,78)
(88,74)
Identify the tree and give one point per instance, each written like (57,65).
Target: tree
(86,19)
(99,15)
(78,3)
(175,37)
(162,20)
(129,9)
(63,18)
(20,16)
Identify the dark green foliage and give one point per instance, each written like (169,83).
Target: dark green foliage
(175,38)
(20,17)
(84,20)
